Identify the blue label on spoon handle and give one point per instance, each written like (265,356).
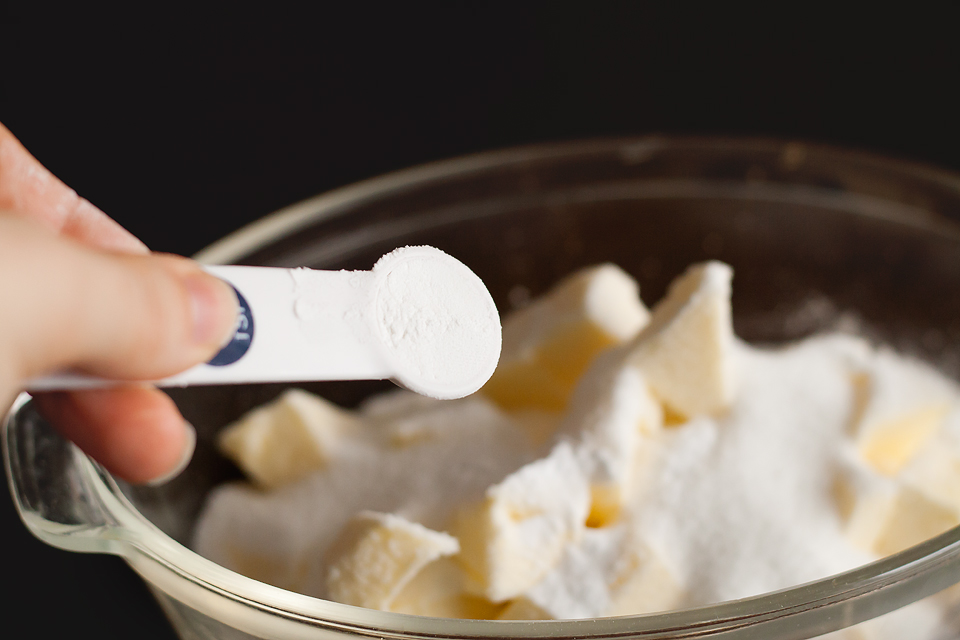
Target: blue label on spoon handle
(242,337)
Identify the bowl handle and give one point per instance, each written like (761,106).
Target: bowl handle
(52,485)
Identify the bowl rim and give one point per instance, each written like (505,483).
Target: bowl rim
(142,538)
(298,215)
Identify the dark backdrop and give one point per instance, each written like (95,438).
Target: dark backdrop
(186,125)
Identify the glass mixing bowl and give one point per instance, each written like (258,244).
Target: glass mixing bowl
(812,233)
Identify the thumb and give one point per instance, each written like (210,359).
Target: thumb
(120,316)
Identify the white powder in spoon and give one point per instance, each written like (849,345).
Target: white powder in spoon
(436,319)
(420,317)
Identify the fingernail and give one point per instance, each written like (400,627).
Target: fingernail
(190,444)
(210,298)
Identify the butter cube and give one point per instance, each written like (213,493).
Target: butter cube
(891,444)
(609,572)
(686,352)
(287,439)
(377,554)
(523,609)
(890,518)
(641,582)
(935,472)
(549,344)
(904,405)
(438,591)
(611,411)
(512,538)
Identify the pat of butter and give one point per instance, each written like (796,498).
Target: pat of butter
(889,519)
(438,591)
(610,572)
(512,538)
(642,583)
(686,353)
(549,344)
(935,471)
(523,609)
(903,405)
(287,439)
(611,412)
(377,554)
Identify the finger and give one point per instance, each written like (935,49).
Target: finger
(91,226)
(136,433)
(118,316)
(29,190)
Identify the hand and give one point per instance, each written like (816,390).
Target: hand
(78,291)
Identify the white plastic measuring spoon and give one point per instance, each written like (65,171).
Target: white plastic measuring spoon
(420,317)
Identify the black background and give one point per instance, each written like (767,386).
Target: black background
(186,125)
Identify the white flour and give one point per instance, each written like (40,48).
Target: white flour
(420,466)
(714,508)
(437,320)
(742,504)
(419,317)
(735,506)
